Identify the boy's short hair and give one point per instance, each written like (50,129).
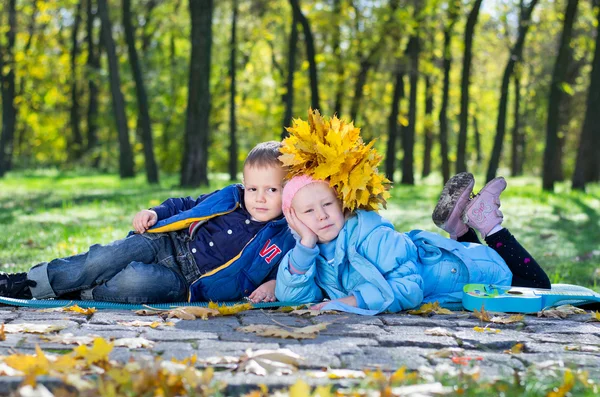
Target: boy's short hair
(265,154)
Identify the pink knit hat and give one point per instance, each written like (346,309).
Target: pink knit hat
(293,186)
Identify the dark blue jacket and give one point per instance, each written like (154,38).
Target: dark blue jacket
(249,268)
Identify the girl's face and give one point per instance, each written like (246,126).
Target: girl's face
(318,207)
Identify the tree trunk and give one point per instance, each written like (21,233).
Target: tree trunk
(443,118)
(390,156)
(310,54)
(517,155)
(93,66)
(339,82)
(477,140)
(428,127)
(515,56)
(194,168)
(233,148)
(7,84)
(142,97)
(76,149)
(461,163)
(558,77)
(125,153)
(408,176)
(587,165)
(289,84)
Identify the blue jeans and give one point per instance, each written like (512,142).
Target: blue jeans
(146,268)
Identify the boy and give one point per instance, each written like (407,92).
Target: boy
(221,246)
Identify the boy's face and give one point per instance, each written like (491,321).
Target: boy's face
(318,207)
(262,192)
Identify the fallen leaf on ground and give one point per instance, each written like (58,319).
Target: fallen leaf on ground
(514,318)
(299,389)
(309,332)
(465,360)
(439,331)
(2,333)
(429,308)
(269,362)
(192,313)
(486,329)
(70,339)
(516,349)
(338,374)
(97,353)
(562,311)
(312,313)
(76,309)
(151,324)
(216,360)
(583,348)
(133,343)
(482,315)
(225,310)
(447,352)
(32,328)
(595,316)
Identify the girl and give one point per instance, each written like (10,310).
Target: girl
(348,253)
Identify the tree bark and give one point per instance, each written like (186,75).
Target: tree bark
(443,118)
(517,154)
(142,97)
(587,165)
(93,66)
(428,127)
(77,144)
(310,54)
(461,163)
(393,127)
(125,153)
(339,83)
(194,168)
(408,177)
(233,147)
(551,151)
(7,84)
(289,84)
(515,56)
(477,140)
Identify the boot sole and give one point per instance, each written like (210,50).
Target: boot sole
(453,191)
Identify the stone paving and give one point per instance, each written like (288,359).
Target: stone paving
(349,341)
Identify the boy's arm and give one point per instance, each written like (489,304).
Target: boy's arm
(175,205)
(295,287)
(395,255)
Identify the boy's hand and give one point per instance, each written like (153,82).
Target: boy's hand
(264,293)
(348,300)
(143,220)
(307,237)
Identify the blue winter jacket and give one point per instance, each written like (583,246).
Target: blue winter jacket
(391,271)
(245,271)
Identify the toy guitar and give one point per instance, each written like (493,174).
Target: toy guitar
(496,298)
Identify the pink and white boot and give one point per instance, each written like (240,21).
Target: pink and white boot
(482,213)
(448,213)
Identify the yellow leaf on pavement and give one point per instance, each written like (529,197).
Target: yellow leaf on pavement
(97,353)
(299,389)
(309,332)
(225,310)
(516,349)
(429,308)
(31,328)
(192,313)
(75,308)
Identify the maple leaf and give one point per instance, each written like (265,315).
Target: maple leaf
(309,332)
(486,329)
(269,362)
(75,308)
(299,389)
(516,349)
(2,334)
(225,310)
(595,316)
(151,324)
(70,339)
(482,315)
(192,312)
(514,318)
(30,365)
(98,353)
(562,311)
(438,331)
(32,328)
(428,308)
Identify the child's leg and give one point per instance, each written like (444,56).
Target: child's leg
(526,271)
(99,264)
(469,237)
(453,200)
(142,283)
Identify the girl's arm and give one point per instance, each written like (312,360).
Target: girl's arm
(395,256)
(296,276)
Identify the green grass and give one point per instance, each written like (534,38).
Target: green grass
(48,214)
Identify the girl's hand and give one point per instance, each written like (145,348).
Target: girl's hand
(348,300)
(264,293)
(143,220)
(308,238)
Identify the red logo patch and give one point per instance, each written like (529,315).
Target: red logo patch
(269,251)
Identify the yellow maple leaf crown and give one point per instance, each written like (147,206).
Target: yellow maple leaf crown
(332,150)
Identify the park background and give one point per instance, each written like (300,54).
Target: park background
(109,107)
